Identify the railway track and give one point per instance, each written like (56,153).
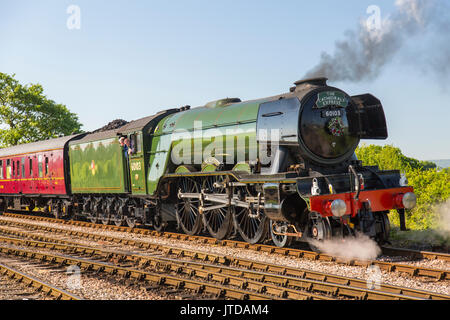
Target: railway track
(412,270)
(276,281)
(188,278)
(17,285)
(416,254)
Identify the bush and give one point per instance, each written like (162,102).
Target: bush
(432,186)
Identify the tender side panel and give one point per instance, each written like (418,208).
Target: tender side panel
(98,167)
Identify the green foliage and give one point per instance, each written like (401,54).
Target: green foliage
(420,239)
(431,186)
(389,158)
(27,115)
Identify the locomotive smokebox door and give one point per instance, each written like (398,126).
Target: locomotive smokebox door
(366,117)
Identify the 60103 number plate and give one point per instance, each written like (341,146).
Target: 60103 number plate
(331,113)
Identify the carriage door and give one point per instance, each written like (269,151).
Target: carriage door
(18,175)
(137,169)
(23,181)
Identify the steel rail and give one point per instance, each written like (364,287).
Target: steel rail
(280,275)
(385,266)
(39,285)
(416,254)
(189,269)
(220,291)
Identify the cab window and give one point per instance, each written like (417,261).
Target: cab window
(1,169)
(136,140)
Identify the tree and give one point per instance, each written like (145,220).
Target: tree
(27,115)
(390,158)
(431,186)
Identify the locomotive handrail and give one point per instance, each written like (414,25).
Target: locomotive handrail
(358,188)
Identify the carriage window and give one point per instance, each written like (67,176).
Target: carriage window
(46,165)
(8,169)
(13,169)
(1,169)
(31,167)
(40,166)
(18,169)
(23,167)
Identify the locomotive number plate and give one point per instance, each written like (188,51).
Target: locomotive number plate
(331,113)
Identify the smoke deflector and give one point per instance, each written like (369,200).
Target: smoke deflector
(366,117)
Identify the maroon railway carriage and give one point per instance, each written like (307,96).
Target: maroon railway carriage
(35,171)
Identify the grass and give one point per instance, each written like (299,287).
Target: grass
(429,239)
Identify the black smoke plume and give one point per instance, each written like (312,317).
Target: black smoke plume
(364,52)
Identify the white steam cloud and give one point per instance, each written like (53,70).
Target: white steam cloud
(444,218)
(360,247)
(364,52)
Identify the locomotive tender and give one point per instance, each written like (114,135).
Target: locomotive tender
(282,165)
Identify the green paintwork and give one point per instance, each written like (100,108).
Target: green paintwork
(137,164)
(235,122)
(209,168)
(242,167)
(137,175)
(182,169)
(97,167)
(158,157)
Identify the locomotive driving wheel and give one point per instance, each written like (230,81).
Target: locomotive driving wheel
(219,222)
(187,209)
(251,223)
(318,230)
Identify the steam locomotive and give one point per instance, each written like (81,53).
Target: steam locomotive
(280,168)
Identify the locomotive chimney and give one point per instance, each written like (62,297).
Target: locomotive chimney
(308,83)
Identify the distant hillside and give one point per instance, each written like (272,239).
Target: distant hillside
(444,163)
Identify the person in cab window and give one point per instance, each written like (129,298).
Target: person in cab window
(122,141)
(130,145)
(127,147)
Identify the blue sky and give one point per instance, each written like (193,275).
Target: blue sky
(131,59)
